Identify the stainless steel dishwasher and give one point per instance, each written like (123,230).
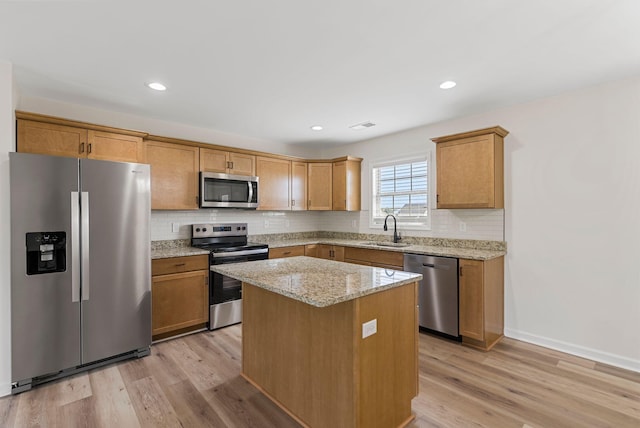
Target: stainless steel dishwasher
(437,292)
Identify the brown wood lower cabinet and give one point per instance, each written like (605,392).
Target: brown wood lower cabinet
(180,295)
(325,251)
(377,258)
(292,251)
(481,302)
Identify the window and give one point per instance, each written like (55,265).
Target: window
(401,188)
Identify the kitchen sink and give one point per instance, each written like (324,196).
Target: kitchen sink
(385,244)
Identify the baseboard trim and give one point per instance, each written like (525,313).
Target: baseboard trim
(5,389)
(577,350)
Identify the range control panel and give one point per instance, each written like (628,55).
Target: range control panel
(210,230)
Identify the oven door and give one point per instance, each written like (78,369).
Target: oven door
(222,288)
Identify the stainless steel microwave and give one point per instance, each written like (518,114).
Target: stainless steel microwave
(228,191)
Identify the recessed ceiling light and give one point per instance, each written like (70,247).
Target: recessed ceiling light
(363,125)
(448,84)
(157,86)
(317,128)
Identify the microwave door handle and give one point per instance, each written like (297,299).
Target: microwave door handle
(250,191)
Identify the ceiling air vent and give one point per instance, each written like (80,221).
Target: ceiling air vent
(363,125)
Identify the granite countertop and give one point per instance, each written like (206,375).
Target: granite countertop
(165,253)
(317,282)
(181,248)
(431,250)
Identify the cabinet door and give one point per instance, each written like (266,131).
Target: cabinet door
(213,160)
(471,283)
(298,186)
(346,185)
(311,250)
(114,147)
(274,188)
(330,252)
(242,164)
(468,175)
(179,300)
(174,175)
(320,186)
(50,139)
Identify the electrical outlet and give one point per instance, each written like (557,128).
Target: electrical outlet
(463,226)
(354,224)
(369,328)
(175,227)
(266,224)
(287,224)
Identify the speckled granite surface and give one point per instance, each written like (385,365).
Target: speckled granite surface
(175,248)
(461,248)
(432,250)
(317,282)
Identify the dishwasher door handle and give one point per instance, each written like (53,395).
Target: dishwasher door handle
(436,266)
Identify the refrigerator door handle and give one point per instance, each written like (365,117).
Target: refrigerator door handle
(85,244)
(75,247)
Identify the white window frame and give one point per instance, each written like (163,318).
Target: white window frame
(425,224)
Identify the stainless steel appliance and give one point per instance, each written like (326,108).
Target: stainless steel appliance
(228,191)
(80,265)
(227,243)
(437,292)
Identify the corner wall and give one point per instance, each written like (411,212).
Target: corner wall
(572,204)
(7,144)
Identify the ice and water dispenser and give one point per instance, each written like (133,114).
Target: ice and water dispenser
(46,252)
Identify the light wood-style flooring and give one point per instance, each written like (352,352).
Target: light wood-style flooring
(194,381)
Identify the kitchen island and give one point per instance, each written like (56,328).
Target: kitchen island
(333,344)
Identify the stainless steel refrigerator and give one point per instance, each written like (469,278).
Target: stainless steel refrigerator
(80,265)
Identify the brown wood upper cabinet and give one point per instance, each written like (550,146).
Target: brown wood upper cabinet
(346,185)
(174,175)
(298,186)
(275,183)
(320,188)
(227,162)
(63,138)
(470,169)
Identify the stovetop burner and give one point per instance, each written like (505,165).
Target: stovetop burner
(223,238)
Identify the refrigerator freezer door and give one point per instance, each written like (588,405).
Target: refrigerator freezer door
(45,321)
(116,316)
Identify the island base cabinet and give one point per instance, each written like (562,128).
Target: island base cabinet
(314,363)
(481,302)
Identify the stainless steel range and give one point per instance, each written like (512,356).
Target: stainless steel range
(227,243)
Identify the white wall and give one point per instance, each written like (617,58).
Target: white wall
(7,144)
(571,216)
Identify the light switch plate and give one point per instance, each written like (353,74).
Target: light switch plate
(369,328)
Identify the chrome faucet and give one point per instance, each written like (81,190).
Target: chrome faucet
(396,238)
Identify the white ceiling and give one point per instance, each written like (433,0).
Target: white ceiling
(272,68)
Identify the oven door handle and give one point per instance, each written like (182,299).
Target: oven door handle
(240,253)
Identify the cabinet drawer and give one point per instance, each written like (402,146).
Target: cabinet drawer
(277,253)
(375,257)
(179,264)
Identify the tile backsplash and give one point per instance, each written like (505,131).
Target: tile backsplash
(483,224)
